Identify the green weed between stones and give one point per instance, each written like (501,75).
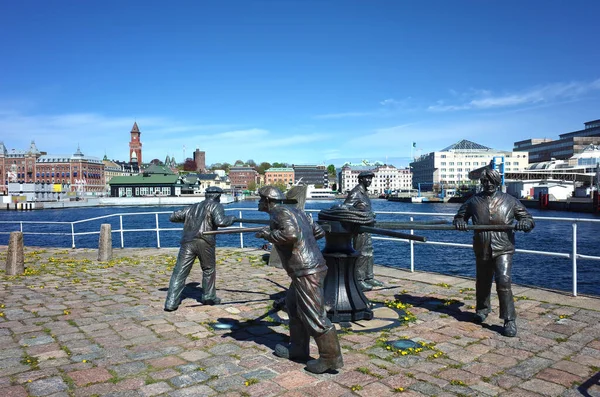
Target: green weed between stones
(251,381)
(30,361)
(367,371)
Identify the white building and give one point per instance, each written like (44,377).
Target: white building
(387,178)
(450,167)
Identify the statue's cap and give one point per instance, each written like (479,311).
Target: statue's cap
(366,174)
(271,192)
(214,190)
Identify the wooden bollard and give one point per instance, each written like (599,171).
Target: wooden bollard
(15,259)
(105,243)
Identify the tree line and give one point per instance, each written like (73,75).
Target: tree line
(190,165)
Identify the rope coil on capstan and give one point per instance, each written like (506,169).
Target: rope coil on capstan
(342,213)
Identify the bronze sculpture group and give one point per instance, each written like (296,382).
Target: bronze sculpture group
(294,236)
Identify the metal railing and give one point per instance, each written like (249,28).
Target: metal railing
(573,255)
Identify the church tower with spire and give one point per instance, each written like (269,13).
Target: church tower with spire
(135,145)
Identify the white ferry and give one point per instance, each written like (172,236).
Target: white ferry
(313,193)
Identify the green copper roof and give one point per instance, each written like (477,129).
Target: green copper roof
(152,179)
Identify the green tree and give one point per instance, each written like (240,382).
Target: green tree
(238,163)
(331,169)
(251,163)
(280,165)
(252,186)
(263,167)
(281,186)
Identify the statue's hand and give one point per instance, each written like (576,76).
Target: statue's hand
(460,224)
(263,233)
(524,225)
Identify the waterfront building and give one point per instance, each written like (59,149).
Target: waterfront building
(75,172)
(194,183)
(241,177)
(18,166)
(279,175)
(450,167)
(135,145)
(389,178)
(568,144)
(145,184)
(348,177)
(311,175)
(111,169)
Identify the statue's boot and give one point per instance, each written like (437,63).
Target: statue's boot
(510,328)
(330,354)
(364,286)
(374,283)
(299,348)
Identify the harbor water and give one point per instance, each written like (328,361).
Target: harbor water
(528,269)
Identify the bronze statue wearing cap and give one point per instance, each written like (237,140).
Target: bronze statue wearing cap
(294,235)
(358,198)
(200,217)
(494,249)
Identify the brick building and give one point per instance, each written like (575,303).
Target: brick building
(240,177)
(279,175)
(77,172)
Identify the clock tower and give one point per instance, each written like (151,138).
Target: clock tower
(135,145)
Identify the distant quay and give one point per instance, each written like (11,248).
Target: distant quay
(113,202)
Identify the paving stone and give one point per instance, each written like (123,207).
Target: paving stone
(155,389)
(225,348)
(194,391)
(325,388)
(194,355)
(223,384)
(528,368)
(165,362)
(14,391)
(92,375)
(543,387)
(295,379)
(47,386)
(224,369)
(261,373)
(188,379)
(127,369)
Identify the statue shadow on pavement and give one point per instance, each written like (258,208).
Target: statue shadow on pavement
(256,330)
(450,307)
(586,386)
(190,291)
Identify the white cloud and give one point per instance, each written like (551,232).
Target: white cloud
(549,93)
(388,107)
(344,115)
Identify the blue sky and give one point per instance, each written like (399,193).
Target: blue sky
(302,81)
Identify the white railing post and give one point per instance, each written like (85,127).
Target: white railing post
(412,250)
(574,258)
(21,223)
(72,235)
(241,234)
(121,227)
(157,232)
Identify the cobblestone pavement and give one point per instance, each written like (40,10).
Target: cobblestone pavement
(72,326)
